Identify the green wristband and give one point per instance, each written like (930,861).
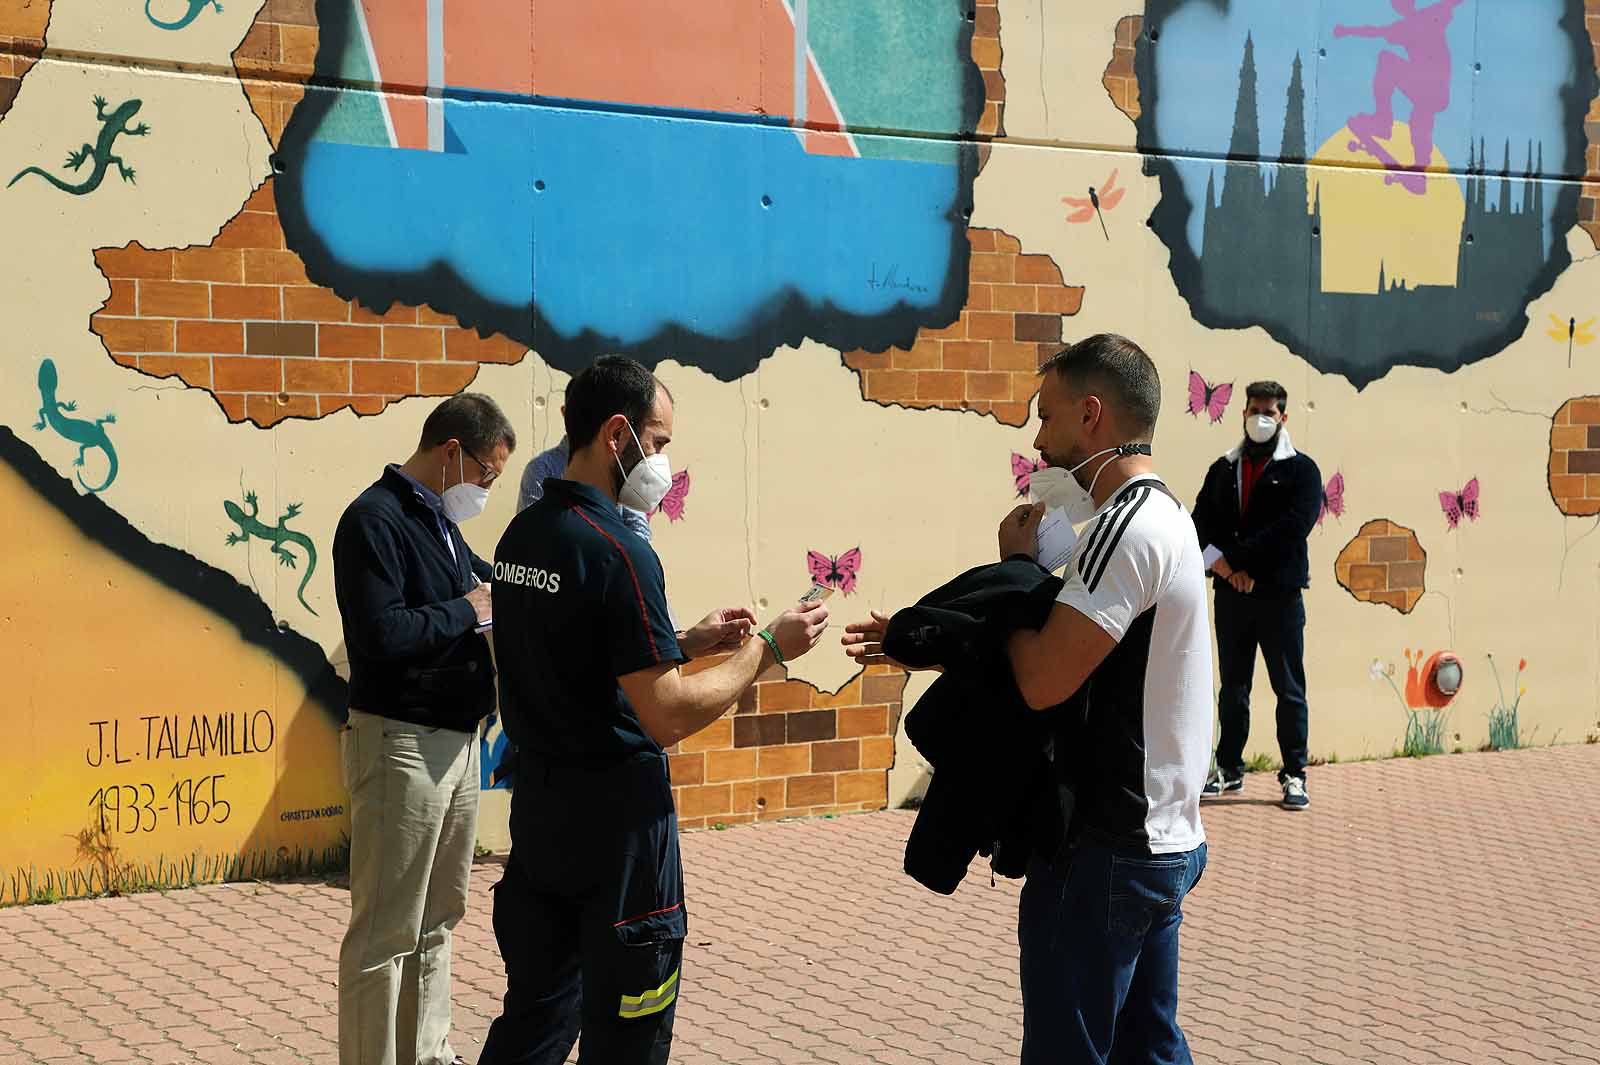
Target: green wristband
(772,642)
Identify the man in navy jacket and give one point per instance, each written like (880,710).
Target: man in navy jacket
(1258,505)
(414,601)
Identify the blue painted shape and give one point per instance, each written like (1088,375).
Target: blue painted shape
(647,222)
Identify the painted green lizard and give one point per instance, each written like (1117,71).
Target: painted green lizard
(84,433)
(280,534)
(195,7)
(112,126)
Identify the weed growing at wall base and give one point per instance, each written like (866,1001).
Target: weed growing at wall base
(105,876)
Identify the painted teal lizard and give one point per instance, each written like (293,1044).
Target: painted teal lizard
(85,434)
(195,7)
(280,534)
(112,126)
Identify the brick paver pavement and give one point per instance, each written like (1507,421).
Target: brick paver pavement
(1433,911)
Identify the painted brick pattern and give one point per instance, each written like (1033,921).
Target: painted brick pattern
(988,359)
(1120,80)
(1575,457)
(1385,564)
(241,319)
(22,26)
(1589,201)
(787,750)
(986,53)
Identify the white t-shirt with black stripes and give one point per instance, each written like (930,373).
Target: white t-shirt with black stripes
(1139,739)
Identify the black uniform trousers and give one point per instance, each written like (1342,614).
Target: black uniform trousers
(1277,625)
(589,916)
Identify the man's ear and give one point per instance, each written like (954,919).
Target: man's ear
(1093,408)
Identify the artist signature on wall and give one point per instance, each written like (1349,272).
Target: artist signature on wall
(892,280)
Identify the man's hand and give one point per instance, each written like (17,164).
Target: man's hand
(1221,568)
(798,629)
(1241,582)
(720,630)
(863,642)
(479,598)
(1019,531)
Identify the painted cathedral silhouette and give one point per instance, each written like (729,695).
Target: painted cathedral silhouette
(1261,256)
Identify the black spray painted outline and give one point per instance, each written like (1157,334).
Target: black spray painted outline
(1170,218)
(204,584)
(793,319)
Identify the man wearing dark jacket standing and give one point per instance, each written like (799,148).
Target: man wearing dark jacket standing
(1258,505)
(414,602)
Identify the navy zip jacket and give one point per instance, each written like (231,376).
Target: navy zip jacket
(993,790)
(407,629)
(1267,541)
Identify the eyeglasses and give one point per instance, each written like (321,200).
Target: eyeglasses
(493,474)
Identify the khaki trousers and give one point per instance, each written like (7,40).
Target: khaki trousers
(413,823)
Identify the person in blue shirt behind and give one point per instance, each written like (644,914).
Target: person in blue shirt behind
(552,462)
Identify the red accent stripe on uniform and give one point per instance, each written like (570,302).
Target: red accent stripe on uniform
(652,913)
(632,574)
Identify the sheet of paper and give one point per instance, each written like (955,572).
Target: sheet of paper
(1056,538)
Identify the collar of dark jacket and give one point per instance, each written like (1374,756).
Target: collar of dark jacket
(411,492)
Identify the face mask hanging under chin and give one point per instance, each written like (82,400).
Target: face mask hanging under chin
(1058,489)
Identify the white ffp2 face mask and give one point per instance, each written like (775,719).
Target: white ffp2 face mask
(646,485)
(1261,427)
(1058,488)
(465,500)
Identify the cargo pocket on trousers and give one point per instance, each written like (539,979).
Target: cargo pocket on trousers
(651,961)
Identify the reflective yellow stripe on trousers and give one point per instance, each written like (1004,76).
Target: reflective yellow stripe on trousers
(651,1001)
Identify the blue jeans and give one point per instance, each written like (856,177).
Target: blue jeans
(1098,928)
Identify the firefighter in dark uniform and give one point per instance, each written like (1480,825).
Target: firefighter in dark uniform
(590,913)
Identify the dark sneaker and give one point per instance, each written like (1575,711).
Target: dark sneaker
(1294,793)
(1219,785)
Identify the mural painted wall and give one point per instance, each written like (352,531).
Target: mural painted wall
(253,243)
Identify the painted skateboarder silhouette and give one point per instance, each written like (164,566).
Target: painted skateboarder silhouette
(1422,75)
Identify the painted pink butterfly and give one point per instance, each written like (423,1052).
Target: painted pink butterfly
(1022,470)
(838,572)
(1460,504)
(1204,396)
(672,502)
(1332,498)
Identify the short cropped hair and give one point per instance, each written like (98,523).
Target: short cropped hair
(472,418)
(1117,369)
(1269,390)
(610,385)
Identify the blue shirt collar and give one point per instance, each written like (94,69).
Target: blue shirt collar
(427,495)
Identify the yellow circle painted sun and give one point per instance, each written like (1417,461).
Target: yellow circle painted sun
(1370,223)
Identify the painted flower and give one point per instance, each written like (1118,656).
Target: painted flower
(1522,665)
(1376,670)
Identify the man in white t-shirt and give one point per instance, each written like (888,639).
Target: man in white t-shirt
(1127,648)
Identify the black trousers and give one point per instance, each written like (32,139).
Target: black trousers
(1278,627)
(589,917)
